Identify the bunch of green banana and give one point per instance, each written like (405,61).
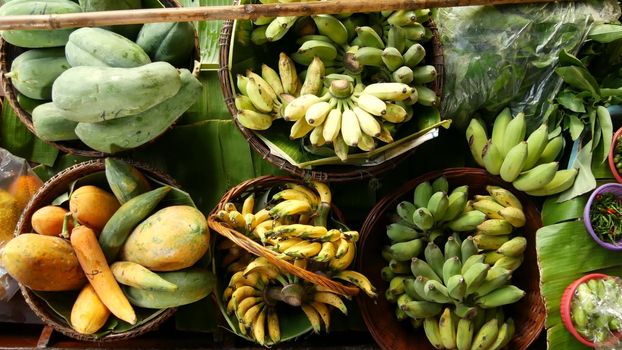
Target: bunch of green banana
(595,309)
(268,29)
(530,165)
(489,330)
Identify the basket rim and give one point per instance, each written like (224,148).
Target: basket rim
(36,304)
(67,146)
(346,173)
(612,165)
(613,187)
(378,211)
(259,250)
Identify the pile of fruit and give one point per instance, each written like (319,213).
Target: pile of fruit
(112,88)
(617,155)
(359,78)
(530,165)
(456,294)
(594,309)
(129,246)
(293,222)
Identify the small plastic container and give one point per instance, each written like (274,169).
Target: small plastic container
(612,164)
(566,302)
(606,188)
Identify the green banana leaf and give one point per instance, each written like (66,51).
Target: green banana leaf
(208,33)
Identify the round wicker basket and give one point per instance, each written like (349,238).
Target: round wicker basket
(9,52)
(529,313)
(265,182)
(50,190)
(335,173)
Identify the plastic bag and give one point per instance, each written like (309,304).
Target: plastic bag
(495,56)
(17,185)
(596,312)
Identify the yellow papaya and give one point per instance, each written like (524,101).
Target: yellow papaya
(48,220)
(88,313)
(92,206)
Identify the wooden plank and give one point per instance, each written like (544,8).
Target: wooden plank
(250,11)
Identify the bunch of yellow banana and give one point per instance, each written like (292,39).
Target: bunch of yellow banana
(490,331)
(234,258)
(530,165)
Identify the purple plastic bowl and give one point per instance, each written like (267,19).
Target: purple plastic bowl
(612,188)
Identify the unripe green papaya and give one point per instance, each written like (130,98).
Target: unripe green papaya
(103,48)
(51,125)
(126,133)
(96,94)
(172,42)
(129,31)
(33,72)
(38,38)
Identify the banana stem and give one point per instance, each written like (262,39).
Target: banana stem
(322,215)
(291,294)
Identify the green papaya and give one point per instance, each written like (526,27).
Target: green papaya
(51,125)
(103,48)
(172,42)
(130,132)
(129,31)
(27,103)
(193,284)
(34,72)
(43,37)
(125,181)
(96,94)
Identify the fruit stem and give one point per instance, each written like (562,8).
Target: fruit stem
(65,231)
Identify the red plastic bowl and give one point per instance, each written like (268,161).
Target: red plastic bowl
(566,302)
(612,164)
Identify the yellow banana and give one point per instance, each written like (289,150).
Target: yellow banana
(322,190)
(274,329)
(358,279)
(368,124)
(344,261)
(313,81)
(326,253)
(303,250)
(323,311)
(290,207)
(259,327)
(312,197)
(342,247)
(272,78)
(287,72)
(260,217)
(504,197)
(317,137)
(244,292)
(245,304)
(300,129)
(251,315)
(331,299)
(283,245)
(350,128)
(389,91)
(264,85)
(237,220)
(371,104)
(316,113)
(313,316)
(262,229)
(249,203)
(254,120)
(332,124)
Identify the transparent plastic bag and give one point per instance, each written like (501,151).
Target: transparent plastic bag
(506,55)
(17,185)
(596,312)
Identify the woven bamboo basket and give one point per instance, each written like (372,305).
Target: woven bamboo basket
(390,334)
(333,173)
(265,182)
(9,52)
(50,190)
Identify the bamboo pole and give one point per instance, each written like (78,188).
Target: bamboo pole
(249,11)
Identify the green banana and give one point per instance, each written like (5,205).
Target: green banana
(489,207)
(467,221)
(470,261)
(515,216)
(305,38)
(486,242)
(492,257)
(501,296)
(243,102)
(241,82)
(451,268)
(434,257)
(437,205)
(464,334)
(396,286)
(313,80)
(387,274)
(422,194)
(563,180)
(498,128)
(475,276)
(486,335)
(423,74)
(405,210)
(468,248)
(492,158)
(404,251)
(420,268)
(456,287)
(430,328)
(325,51)
(427,97)
(456,203)
(436,292)
(279,27)
(476,138)
(254,120)
(367,37)
(401,233)
(422,309)
(386,253)
(396,37)
(495,227)
(495,278)
(536,142)
(506,332)
(447,329)
(536,178)
(452,248)
(441,185)
(513,162)
(411,291)
(514,247)
(399,267)
(514,133)
(510,263)
(414,55)
(404,75)
(272,78)
(258,35)
(423,219)
(402,18)
(392,58)
(552,150)
(414,32)
(369,56)
(504,197)
(258,96)
(331,27)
